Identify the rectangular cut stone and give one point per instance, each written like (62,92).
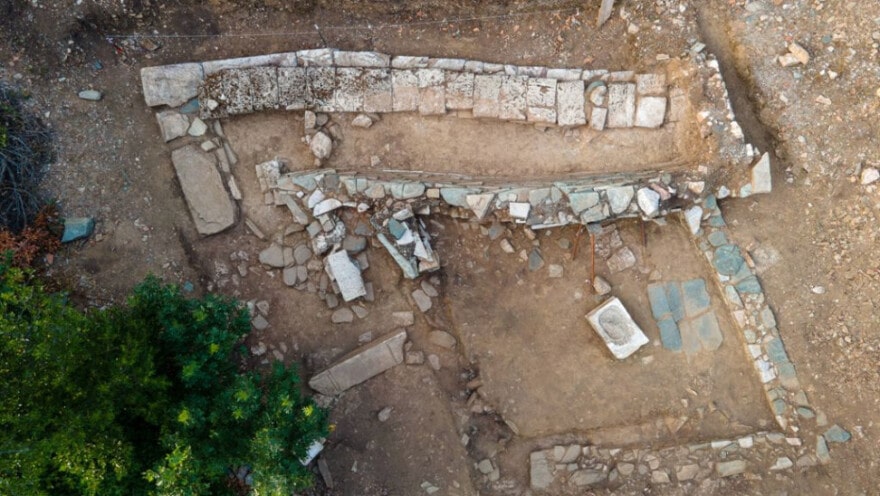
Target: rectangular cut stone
(264,87)
(447,64)
(651,84)
(210,205)
(619,76)
(597,118)
(349,94)
(590,75)
(322,87)
(361,364)
(293,88)
(541,92)
(541,115)
(409,62)
(430,77)
(347,275)
(677,104)
(236,91)
(615,326)
(487,89)
(319,57)
(564,74)
(432,100)
(286,59)
(171,85)
(474,66)
(621,105)
(361,59)
(377,90)
(531,71)
(512,99)
(650,111)
(459,90)
(212,102)
(404,90)
(570,103)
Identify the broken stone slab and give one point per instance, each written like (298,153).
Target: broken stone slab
(621,334)
(172,124)
(171,85)
(409,62)
(347,275)
(410,270)
(730,468)
(570,103)
(621,260)
(423,301)
(762,181)
(210,205)
(361,364)
(322,57)
(457,197)
(649,201)
(442,339)
(403,319)
(407,190)
(480,204)
(619,198)
(540,474)
(342,316)
(693,217)
(583,200)
(285,59)
(299,215)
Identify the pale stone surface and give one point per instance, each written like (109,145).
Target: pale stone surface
(649,201)
(171,85)
(321,145)
(570,103)
(650,111)
(361,364)
(597,118)
(285,59)
(377,90)
(693,216)
(487,89)
(432,91)
(541,100)
(211,208)
(540,474)
(409,62)
(621,105)
(322,88)
(293,93)
(615,326)
(263,87)
(361,59)
(459,90)
(762,181)
(347,275)
(405,90)
(172,124)
(512,98)
(322,57)
(349,93)
(619,198)
(651,84)
(733,467)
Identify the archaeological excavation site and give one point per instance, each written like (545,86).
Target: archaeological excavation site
(509,248)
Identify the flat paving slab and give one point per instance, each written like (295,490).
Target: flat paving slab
(361,364)
(210,205)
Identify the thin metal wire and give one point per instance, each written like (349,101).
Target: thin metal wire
(346,28)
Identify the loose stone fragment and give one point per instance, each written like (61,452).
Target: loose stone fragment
(423,301)
(172,124)
(730,468)
(621,334)
(347,275)
(442,339)
(342,316)
(321,145)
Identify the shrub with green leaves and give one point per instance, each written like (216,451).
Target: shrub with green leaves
(143,398)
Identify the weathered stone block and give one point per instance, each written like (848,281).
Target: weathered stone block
(621,105)
(405,90)
(287,59)
(322,88)
(319,57)
(236,91)
(541,92)
(447,64)
(512,98)
(347,275)
(459,90)
(615,326)
(377,90)
(264,87)
(409,62)
(651,84)
(211,208)
(349,93)
(564,74)
(171,85)
(570,103)
(361,59)
(651,111)
(293,89)
(361,364)
(487,89)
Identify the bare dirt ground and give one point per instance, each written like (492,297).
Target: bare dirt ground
(821,222)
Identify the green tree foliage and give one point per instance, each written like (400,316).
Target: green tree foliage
(144,398)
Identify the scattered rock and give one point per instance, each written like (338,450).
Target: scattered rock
(485,466)
(730,468)
(621,260)
(362,121)
(310,120)
(649,201)
(535,260)
(197,128)
(91,95)
(601,286)
(837,434)
(342,316)
(321,145)
(172,124)
(870,175)
(273,256)
(442,339)
(434,361)
(799,52)
(384,414)
(423,301)
(77,228)
(258,349)
(693,216)
(415,357)
(506,247)
(687,472)
(429,289)
(555,271)
(259,322)
(360,311)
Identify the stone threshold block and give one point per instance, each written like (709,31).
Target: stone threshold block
(615,326)
(361,364)
(210,205)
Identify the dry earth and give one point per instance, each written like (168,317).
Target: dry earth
(814,237)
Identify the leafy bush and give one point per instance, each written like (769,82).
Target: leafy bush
(25,151)
(143,398)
